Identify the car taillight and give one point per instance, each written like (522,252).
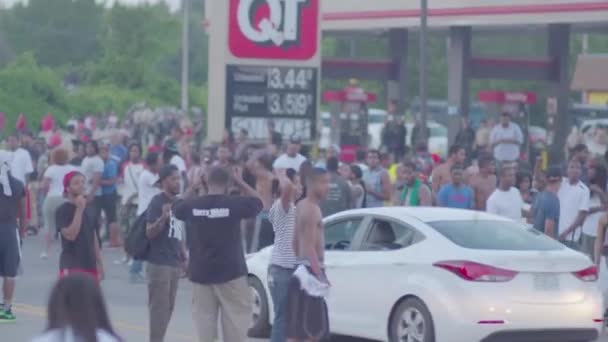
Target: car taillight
(473,271)
(588,274)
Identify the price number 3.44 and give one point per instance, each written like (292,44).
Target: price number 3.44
(289,78)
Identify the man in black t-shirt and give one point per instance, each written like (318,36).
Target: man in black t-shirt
(76,221)
(166,254)
(217,265)
(12,211)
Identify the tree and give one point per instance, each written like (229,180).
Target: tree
(58,32)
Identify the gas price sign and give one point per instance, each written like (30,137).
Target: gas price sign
(286,95)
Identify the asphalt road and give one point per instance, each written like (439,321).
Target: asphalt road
(126,302)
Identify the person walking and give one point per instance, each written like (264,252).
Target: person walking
(456,194)
(92,168)
(597,206)
(546,207)
(109,195)
(377,181)
(307,315)
(339,197)
(166,254)
(13,225)
(442,174)
(129,175)
(217,266)
(506,200)
(506,139)
(77,312)
(484,183)
(414,193)
(147,190)
(574,198)
(75,221)
(52,185)
(283,260)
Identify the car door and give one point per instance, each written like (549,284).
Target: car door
(342,236)
(361,276)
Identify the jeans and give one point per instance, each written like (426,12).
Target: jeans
(136,267)
(278,283)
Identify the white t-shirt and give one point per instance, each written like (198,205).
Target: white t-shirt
(130,176)
(506,152)
(572,200)
(67,335)
(507,204)
(90,166)
(180,163)
(592,220)
(56,173)
(147,190)
(286,162)
(21,164)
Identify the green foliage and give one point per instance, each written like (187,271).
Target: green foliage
(27,88)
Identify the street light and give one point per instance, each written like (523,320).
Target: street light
(423,67)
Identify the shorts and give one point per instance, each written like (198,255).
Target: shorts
(49,208)
(10,251)
(307,316)
(108,203)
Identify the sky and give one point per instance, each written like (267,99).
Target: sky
(173,3)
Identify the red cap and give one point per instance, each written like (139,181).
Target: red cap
(67,179)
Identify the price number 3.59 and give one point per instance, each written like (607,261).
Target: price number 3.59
(289,104)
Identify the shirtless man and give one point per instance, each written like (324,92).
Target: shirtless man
(441,175)
(484,183)
(307,318)
(261,168)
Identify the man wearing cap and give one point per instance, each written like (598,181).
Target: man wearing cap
(166,255)
(12,215)
(546,206)
(506,139)
(291,159)
(76,221)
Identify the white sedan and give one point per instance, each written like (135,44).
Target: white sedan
(436,274)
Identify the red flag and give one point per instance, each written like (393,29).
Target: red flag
(21,122)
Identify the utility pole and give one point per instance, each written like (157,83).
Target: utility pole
(185,54)
(424,73)
(585,52)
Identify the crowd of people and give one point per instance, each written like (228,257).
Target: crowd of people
(204,207)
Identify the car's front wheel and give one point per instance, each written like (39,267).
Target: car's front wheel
(411,321)
(260,326)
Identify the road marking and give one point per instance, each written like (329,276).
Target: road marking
(41,312)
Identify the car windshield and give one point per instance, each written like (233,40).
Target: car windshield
(495,235)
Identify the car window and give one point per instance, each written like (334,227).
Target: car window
(388,235)
(495,235)
(339,235)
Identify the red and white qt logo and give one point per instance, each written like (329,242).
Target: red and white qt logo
(274,29)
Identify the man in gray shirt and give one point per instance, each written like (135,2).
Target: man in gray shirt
(339,197)
(546,205)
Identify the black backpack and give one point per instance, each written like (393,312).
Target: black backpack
(137,244)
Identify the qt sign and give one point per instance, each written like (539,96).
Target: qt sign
(274,29)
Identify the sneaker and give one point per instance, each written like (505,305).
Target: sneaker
(7,316)
(137,278)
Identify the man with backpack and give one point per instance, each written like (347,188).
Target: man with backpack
(146,190)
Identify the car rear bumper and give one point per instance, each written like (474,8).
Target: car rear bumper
(553,335)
